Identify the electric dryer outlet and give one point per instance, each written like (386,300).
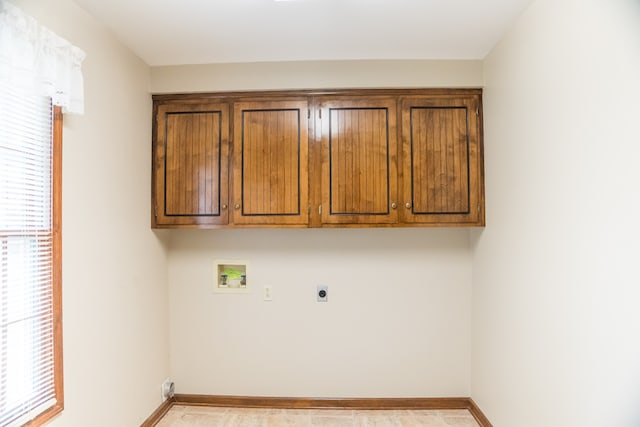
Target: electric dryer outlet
(322,293)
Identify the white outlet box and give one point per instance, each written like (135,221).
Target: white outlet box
(231,276)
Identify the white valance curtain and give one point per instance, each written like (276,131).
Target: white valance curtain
(37,60)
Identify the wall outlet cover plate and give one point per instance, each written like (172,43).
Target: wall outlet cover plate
(322,293)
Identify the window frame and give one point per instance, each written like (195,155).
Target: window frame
(56,224)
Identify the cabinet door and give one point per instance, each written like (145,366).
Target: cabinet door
(270,173)
(442,164)
(359,172)
(191,164)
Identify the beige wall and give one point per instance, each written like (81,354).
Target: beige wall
(555,279)
(397,320)
(396,324)
(114,275)
(316,74)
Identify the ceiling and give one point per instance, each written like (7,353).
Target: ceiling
(172,32)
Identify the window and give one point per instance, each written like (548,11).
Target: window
(40,76)
(30,258)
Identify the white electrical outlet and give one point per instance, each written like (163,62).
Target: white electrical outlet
(166,389)
(267,293)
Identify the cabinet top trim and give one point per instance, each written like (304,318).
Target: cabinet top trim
(306,93)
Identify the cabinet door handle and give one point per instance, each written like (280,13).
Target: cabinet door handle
(237,206)
(407,205)
(224,206)
(394,205)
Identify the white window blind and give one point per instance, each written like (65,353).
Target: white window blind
(26,257)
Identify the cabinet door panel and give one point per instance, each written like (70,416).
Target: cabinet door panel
(441,162)
(270,162)
(359,182)
(191,163)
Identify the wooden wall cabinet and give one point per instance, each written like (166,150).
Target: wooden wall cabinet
(270,163)
(346,158)
(359,164)
(190,165)
(442,160)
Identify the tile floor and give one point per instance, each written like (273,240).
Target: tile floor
(200,416)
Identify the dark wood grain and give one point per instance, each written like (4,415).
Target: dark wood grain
(322,403)
(191,164)
(346,176)
(270,164)
(359,171)
(482,420)
(241,96)
(160,412)
(442,168)
(440,160)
